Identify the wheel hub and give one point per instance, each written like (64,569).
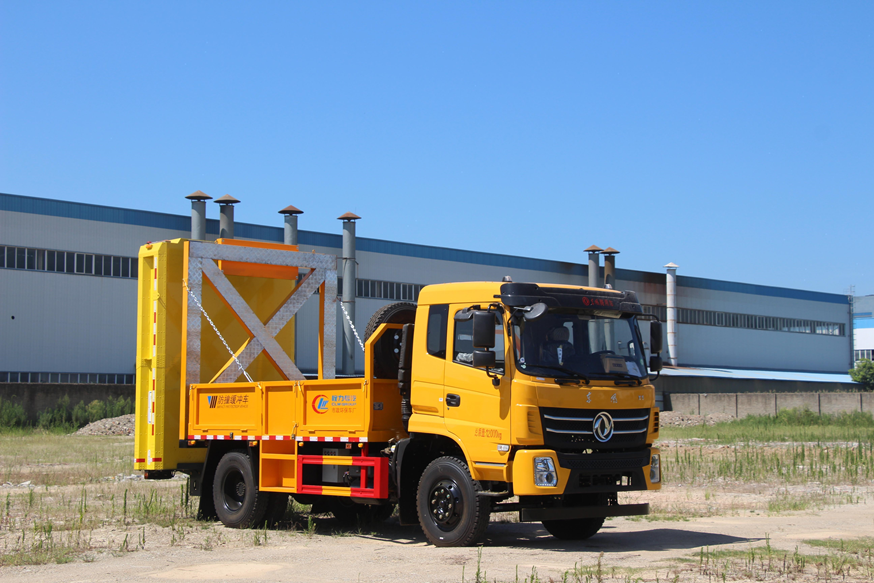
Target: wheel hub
(445,503)
(241,489)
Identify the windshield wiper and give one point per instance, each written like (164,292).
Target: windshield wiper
(571,374)
(631,380)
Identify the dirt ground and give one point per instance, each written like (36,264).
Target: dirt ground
(632,550)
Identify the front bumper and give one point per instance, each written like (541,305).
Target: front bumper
(586,473)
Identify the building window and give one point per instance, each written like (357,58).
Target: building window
(387,290)
(748,321)
(66,378)
(67,262)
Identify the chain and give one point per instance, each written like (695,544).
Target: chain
(354,331)
(222,338)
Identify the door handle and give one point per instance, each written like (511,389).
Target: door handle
(453,400)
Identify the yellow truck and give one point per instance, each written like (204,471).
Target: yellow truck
(482,397)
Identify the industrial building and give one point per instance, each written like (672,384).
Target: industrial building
(863,327)
(68,293)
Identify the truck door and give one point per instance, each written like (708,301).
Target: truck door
(429,362)
(477,412)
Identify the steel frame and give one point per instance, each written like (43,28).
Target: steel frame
(322,275)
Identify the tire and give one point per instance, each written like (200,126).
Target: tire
(348,513)
(387,352)
(238,503)
(450,511)
(576,529)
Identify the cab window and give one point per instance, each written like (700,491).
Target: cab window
(437,317)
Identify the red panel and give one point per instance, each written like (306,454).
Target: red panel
(380,476)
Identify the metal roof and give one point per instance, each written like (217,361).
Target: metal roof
(770,375)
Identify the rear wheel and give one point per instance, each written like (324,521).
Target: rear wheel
(387,352)
(451,512)
(238,503)
(576,529)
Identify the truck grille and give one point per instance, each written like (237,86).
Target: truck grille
(573,429)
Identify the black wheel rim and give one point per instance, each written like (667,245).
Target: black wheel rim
(445,504)
(234,491)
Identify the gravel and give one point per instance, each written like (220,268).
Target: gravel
(123,425)
(674,419)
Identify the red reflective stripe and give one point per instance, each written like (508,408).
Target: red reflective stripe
(139,460)
(157,459)
(331,439)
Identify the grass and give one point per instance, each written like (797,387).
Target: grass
(44,458)
(796,448)
(850,560)
(72,497)
(790,425)
(845,560)
(62,417)
(795,461)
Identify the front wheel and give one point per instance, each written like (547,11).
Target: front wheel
(576,529)
(238,503)
(451,512)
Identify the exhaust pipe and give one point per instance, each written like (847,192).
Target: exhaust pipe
(290,235)
(198,214)
(226,220)
(610,267)
(594,266)
(349,291)
(671,282)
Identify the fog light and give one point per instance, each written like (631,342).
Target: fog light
(655,470)
(544,472)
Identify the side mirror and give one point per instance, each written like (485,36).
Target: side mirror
(483,359)
(655,337)
(484,330)
(655,363)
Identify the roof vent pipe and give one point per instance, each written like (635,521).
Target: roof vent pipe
(349,264)
(610,267)
(671,282)
(290,213)
(226,220)
(198,214)
(594,266)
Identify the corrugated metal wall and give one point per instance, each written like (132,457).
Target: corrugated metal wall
(74,323)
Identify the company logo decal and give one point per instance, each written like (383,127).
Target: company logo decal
(320,404)
(603,426)
(229,401)
(599,302)
(335,404)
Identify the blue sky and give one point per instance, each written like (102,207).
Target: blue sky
(735,139)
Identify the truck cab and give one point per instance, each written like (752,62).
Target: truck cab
(541,392)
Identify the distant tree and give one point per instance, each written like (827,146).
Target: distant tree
(864,374)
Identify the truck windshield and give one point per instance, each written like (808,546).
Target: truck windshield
(568,343)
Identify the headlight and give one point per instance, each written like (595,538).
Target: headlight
(655,470)
(544,472)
